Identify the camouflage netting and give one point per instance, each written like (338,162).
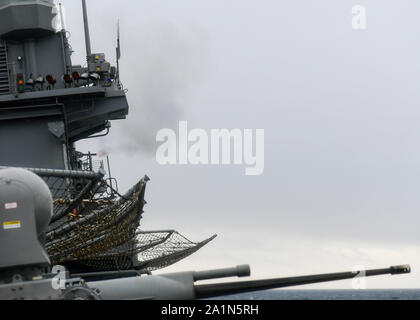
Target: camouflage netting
(172,248)
(98,229)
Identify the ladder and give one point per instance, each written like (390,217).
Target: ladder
(4,70)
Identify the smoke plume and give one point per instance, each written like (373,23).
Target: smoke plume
(161,68)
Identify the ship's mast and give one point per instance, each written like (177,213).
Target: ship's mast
(87,33)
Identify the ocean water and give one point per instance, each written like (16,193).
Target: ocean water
(328,295)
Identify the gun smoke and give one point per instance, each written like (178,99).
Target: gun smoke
(166,65)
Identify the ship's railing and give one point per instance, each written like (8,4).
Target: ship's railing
(70,189)
(96,162)
(73,191)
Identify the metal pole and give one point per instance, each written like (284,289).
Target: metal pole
(110,177)
(224,289)
(118,55)
(87,34)
(62,33)
(47,173)
(63,27)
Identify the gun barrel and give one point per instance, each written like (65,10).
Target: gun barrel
(239,271)
(223,289)
(175,286)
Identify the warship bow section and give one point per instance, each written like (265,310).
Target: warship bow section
(47,105)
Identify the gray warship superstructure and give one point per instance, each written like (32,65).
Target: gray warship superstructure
(59,206)
(47,104)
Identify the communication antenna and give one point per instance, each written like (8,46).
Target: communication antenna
(62,35)
(63,27)
(118,51)
(87,34)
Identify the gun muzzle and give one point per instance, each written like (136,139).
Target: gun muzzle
(400,270)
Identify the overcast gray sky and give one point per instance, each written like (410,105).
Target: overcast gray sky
(340,109)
